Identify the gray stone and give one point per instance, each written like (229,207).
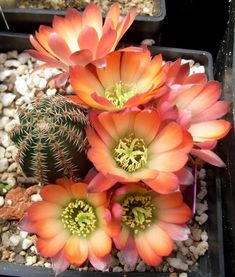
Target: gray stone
(3,164)
(141,267)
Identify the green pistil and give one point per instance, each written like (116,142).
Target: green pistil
(120,93)
(131,153)
(79,218)
(138,212)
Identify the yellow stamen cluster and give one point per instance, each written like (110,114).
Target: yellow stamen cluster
(131,153)
(79,218)
(120,93)
(138,212)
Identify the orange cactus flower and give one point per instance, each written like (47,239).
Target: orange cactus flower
(70,225)
(150,223)
(130,146)
(80,39)
(128,80)
(197,101)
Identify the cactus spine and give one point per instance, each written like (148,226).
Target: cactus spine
(51,139)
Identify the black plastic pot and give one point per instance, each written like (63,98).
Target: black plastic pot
(212,264)
(28,21)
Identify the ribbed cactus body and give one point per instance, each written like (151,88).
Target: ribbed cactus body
(51,139)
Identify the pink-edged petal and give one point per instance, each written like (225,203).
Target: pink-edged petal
(107,105)
(112,16)
(185,176)
(43,209)
(100,263)
(197,78)
(130,252)
(59,263)
(175,231)
(88,39)
(92,17)
(117,211)
(49,228)
(182,74)
(59,47)
(209,130)
(60,79)
(164,183)
(150,119)
(120,241)
(38,46)
(90,175)
(216,111)
(26,224)
(101,183)
(81,57)
(106,43)
(48,59)
(208,156)
(209,145)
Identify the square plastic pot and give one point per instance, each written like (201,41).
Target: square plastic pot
(210,265)
(28,20)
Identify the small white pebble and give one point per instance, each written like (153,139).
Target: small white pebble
(202,218)
(36,197)
(177,264)
(183,274)
(9,202)
(47,265)
(30,260)
(14,240)
(1,201)
(26,243)
(12,63)
(3,164)
(23,234)
(204,236)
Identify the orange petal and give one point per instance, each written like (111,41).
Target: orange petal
(50,247)
(177,215)
(164,183)
(49,228)
(92,17)
(65,183)
(210,130)
(150,119)
(113,16)
(168,138)
(76,250)
(101,183)
(100,243)
(145,251)
(79,190)
(83,80)
(159,240)
(98,199)
(43,209)
(81,57)
(169,201)
(168,161)
(55,194)
(111,73)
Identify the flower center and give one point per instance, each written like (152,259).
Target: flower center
(131,153)
(119,93)
(138,212)
(79,218)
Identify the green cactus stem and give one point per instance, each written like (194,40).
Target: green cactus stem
(51,139)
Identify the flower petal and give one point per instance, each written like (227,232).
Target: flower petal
(59,263)
(49,227)
(185,176)
(178,215)
(88,39)
(159,240)
(26,224)
(81,57)
(50,247)
(121,239)
(55,194)
(43,209)
(175,231)
(76,250)
(150,119)
(100,243)
(145,251)
(169,201)
(210,130)
(130,252)
(164,183)
(79,190)
(208,156)
(100,263)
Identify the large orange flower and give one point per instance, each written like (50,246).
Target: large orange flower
(150,223)
(129,79)
(80,39)
(70,225)
(130,146)
(199,110)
